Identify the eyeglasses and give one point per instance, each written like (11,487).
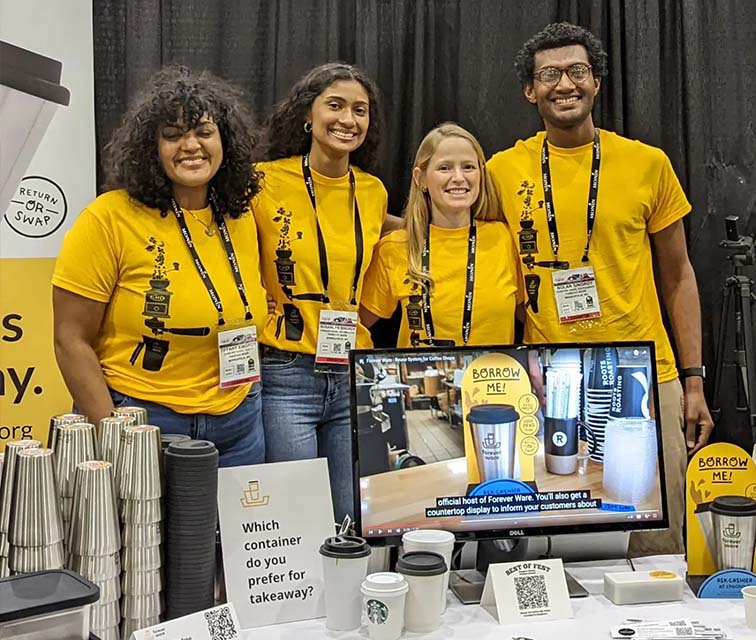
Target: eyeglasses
(577,72)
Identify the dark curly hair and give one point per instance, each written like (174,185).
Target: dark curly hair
(177,95)
(285,134)
(553,36)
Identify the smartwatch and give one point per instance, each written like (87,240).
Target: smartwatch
(693,372)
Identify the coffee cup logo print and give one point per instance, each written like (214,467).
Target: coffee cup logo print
(377,612)
(251,496)
(731,535)
(559,438)
(491,444)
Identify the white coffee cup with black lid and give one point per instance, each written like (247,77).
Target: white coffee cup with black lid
(424,572)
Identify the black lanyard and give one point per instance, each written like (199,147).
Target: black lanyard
(472,247)
(230,254)
(549,196)
(323,254)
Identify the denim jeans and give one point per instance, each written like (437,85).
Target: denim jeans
(306,415)
(238,435)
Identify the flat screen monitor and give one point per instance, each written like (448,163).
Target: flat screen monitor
(504,442)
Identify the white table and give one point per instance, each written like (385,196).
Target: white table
(593,615)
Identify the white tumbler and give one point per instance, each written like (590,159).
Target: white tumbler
(435,541)
(345,561)
(424,573)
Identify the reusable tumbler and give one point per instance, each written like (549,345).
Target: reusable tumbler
(734,520)
(494,431)
(345,561)
(435,541)
(424,573)
(384,596)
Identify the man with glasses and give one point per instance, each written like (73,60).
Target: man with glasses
(585,206)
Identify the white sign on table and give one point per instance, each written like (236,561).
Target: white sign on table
(526,591)
(273,519)
(218,622)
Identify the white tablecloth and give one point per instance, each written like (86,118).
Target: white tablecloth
(593,615)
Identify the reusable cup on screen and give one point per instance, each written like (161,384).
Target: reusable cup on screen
(384,596)
(494,431)
(425,573)
(435,541)
(734,520)
(560,440)
(345,561)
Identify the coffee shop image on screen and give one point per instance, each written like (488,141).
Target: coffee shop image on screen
(515,436)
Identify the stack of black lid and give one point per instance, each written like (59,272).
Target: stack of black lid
(191,470)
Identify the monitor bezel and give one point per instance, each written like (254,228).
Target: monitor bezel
(506,532)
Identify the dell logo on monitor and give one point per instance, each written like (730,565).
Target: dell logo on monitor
(515,532)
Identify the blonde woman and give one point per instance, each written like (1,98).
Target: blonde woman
(453,266)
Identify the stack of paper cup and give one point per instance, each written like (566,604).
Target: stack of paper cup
(109,437)
(7,478)
(345,561)
(435,541)
(140,490)
(424,573)
(75,444)
(383,596)
(62,420)
(35,529)
(139,414)
(93,538)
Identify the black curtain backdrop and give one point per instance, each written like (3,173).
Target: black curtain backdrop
(681,77)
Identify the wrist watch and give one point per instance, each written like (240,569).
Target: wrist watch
(693,372)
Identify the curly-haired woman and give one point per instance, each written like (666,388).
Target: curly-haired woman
(319,216)
(156,291)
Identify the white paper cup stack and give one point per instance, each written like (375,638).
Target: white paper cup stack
(140,493)
(6,493)
(435,541)
(75,444)
(94,542)
(35,528)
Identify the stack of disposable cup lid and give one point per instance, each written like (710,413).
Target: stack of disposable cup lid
(139,414)
(6,493)
(191,469)
(140,491)
(94,542)
(61,420)
(75,444)
(35,528)
(109,437)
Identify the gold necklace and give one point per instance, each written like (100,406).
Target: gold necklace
(209,230)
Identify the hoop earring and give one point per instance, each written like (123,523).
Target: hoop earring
(307,127)
(425,191)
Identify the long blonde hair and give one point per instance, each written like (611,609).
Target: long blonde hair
(417,213)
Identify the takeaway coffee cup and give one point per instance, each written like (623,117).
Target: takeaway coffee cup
(424,573)
(435,541)
(494,431)
(345,561)
(630,393)
(561,441)
(384,596)
(734,528)
(749,601)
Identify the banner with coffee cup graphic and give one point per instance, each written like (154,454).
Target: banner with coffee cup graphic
(721,510)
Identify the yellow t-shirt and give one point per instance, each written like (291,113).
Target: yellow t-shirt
(639,194)
(287,233)
(495,294)
(125,254)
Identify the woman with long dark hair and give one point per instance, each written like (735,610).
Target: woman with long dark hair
(319,216)
(156,291)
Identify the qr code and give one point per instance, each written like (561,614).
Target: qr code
(220,624)
(531,592)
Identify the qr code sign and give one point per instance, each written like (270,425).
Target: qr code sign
(220,624)
(531,592)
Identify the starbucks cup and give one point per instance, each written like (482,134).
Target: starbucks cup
(435,541)
(424,572)
(345,561)
(383,596)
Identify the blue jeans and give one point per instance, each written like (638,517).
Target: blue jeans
(238,435)
(306,415)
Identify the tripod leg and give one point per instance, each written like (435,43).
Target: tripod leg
(749,368)
(724,320)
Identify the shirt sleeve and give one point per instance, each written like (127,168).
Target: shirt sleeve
(670,204)
(88,260)
(377,294)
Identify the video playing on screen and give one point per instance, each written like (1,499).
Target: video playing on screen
(510,439)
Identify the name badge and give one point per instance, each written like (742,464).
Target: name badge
(238,356)
(337,335)
(576,294)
